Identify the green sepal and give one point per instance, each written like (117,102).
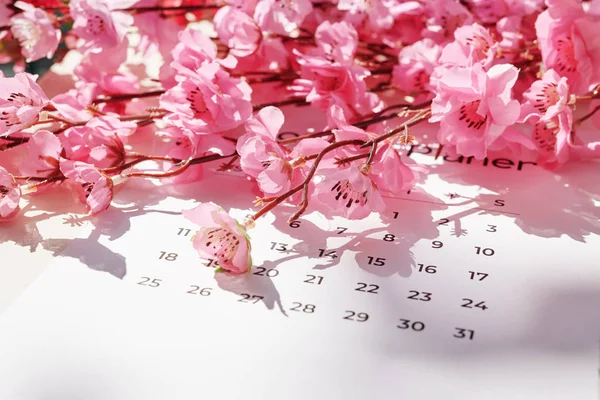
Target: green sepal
(219,270)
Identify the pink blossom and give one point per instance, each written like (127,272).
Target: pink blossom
(237,31)
(221,238)
(10,194)
(569,43)
(21,101)
(350,193)
(274,167)
(325,84)
(444,17)
(99,22)
(546,97)
(281,16)
(472,44)
(44,153)
(337,42)
(475,107)
(99,141)
(416,63)
(5,12)
(271,55)
(96,187)
(73,104)
(184,144)
(35,32)
(377,11)
(208,100)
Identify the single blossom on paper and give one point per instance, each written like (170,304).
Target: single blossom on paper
(444,18)
(10,194)
(35,32)
(221,238)
(546,98)
(475,108)
(44,154)
(96,188)
(21,101)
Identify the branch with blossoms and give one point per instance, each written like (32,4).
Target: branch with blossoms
(514,76)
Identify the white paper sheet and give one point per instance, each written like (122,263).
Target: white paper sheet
(484,283)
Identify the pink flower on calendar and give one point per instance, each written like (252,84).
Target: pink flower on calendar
(546,98)
(35,32)
(21,101)
(275,168)
(44,153)
(350,193)
(208,100)
(475,107)
(281,16)
(10,194)
(221,238)
(96,188)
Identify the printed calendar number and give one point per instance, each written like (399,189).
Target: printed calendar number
(428,269)
(388,237)
(443,221)
(356,316)
(470,303)
(305,308)
(168,256)
(492,228)
(485,251)
(420,296)
(436,244)
(277,246)
(250,298)
(416,326)
(327,253)
(183,232)
(261,271)
(376,261)
(211,263)
(314,279)
(340,229)
(463,333)
(366,288)
(295,224)
(150,282)
(200,290)
(477,276)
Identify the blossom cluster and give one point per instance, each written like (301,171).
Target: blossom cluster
(491,75)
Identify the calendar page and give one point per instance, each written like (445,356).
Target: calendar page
(481,283)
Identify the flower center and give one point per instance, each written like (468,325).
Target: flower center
(3,191)
(95,25)
(87,187)
(480,46)
(327,83)
(223,243)
(345,193)
(468,114)
(27,33)
(566,61)
(544,135)
(547,97)
(197,103)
